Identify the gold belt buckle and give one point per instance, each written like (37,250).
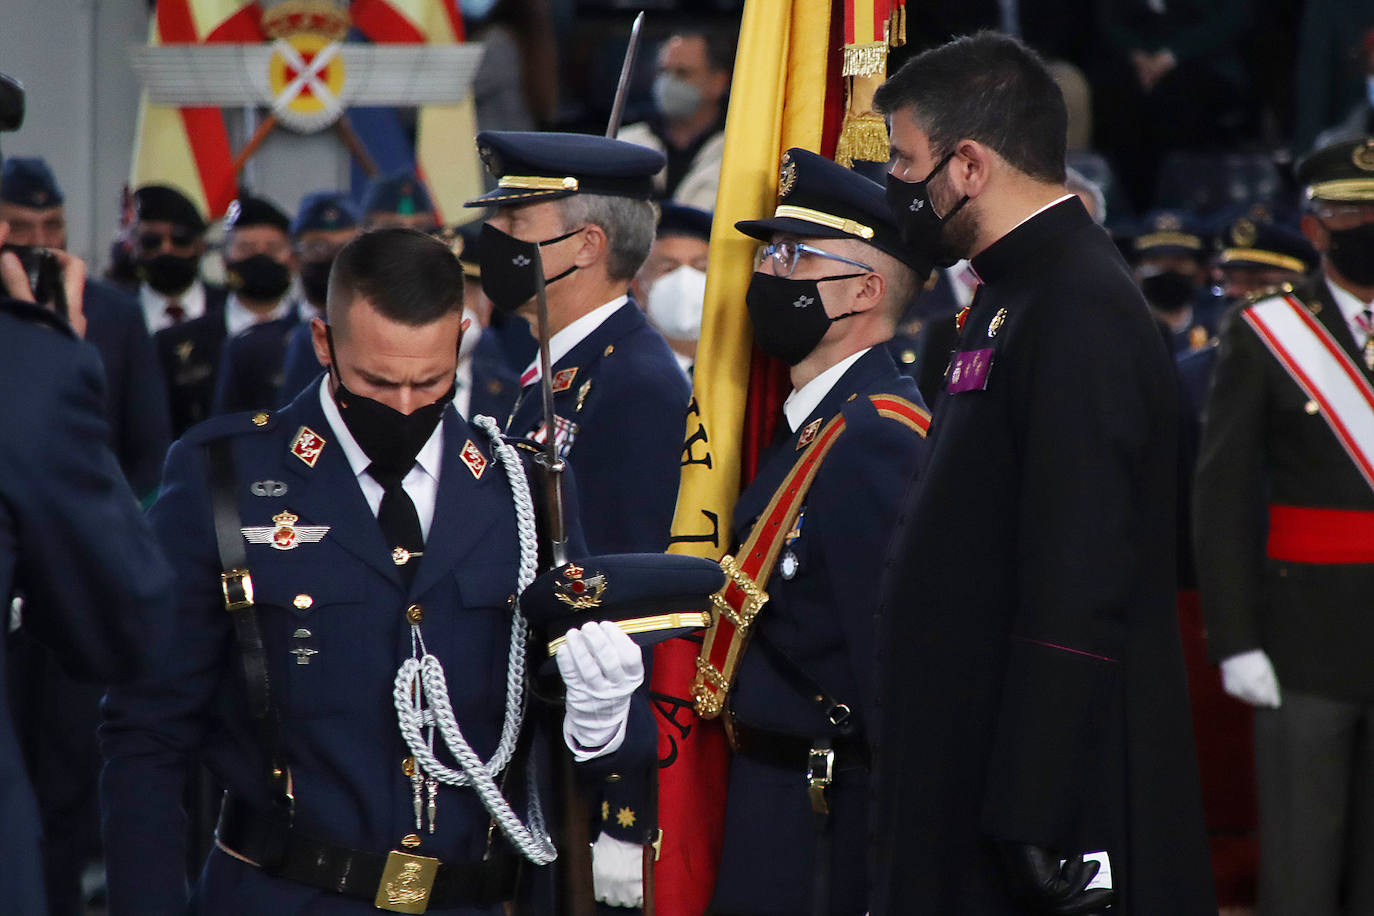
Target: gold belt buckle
(406,883)
(820,772)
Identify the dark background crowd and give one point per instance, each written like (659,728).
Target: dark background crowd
(1186,118)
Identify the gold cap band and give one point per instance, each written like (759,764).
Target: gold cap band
(1170,239)
(1281,261)
(536,183)
(634,625)
(828,220)
(1343,189)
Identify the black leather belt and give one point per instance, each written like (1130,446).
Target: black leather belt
(352,872)
(792,752)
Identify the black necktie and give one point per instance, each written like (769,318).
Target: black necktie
(399,521)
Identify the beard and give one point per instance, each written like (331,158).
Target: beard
(959,233)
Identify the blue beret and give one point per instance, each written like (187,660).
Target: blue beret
(1166,232)
(819,198)
(651,596)
(255,211)
(531,166)
(1341,171)
(399,192)
(324,211)
(680,219)
(162,203)
(28,182)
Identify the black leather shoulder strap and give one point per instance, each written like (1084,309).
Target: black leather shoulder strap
(238,601)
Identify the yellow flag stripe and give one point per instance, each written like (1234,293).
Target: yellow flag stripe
(778,101)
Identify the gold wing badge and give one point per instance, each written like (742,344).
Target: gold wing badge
(285,534)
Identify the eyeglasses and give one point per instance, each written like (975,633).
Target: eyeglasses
(178,237)
(1343,215)
(786,253)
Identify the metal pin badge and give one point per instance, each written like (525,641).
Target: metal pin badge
(304,647)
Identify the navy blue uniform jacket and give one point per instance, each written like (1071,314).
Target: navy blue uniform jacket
(189,353)
(628,399)
(1033,684)
(136,398)
(250,372)
(96,590)
(822,619)
(339,722)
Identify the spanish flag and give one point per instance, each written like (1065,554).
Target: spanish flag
(794,68)
(188,148)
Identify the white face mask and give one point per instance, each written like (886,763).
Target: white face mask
(470,336)
(675,303)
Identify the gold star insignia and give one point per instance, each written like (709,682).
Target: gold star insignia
(625,817)
(605,810)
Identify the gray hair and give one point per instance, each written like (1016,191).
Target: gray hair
(628,223)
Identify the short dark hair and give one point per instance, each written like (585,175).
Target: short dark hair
(406,275)
(990,88)
(720,47)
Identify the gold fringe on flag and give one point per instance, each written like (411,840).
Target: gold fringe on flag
(865,59)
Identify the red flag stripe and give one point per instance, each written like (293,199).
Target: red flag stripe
(381,22)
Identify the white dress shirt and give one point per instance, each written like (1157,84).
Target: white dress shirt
(239,317)
(1352,308)
(561,344)
(421,484)
(801,402)
(154,305)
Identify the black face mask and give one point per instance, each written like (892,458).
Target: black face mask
(315,281)
(914,212)
(169,274)
(1352,253)
(507,265)
(1169,290)
(389,438)
(788,316)
(259,278)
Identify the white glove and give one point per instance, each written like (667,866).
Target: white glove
(601,668)
(1250,677)
(617,871)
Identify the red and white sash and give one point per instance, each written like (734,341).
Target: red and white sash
(1313,358)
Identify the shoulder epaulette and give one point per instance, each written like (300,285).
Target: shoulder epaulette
(903,411)
(35,314)
(1268,292)
(234,424)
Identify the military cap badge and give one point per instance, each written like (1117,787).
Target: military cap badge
(1244,233)
(285,534)
(787,176)
(1363,156)
(578,588)
(490,160)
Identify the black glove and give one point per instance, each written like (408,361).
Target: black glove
(1036,877)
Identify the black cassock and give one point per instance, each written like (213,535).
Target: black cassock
(1032,683)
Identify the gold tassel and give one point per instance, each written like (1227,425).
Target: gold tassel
(897,27)
(862,136)
(865,59)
